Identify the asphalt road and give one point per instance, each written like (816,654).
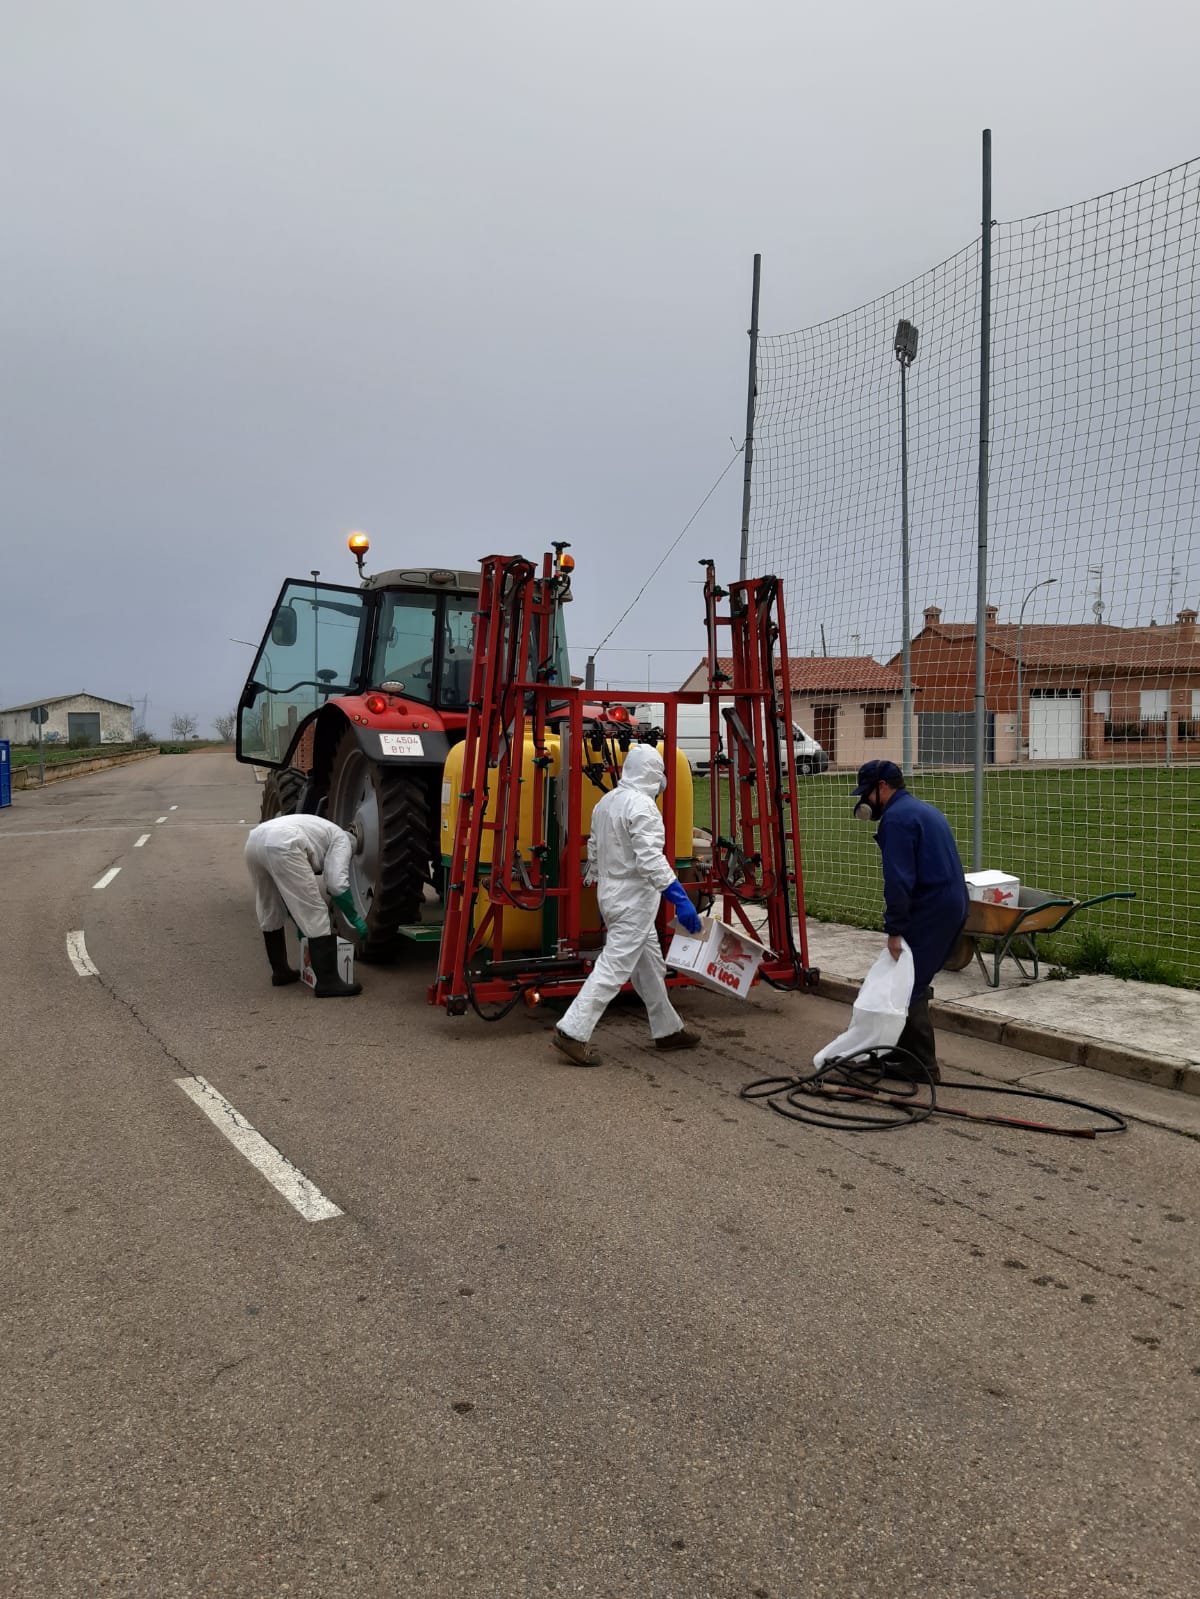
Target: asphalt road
(610,1332)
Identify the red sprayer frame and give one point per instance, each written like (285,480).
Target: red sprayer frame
(515,706)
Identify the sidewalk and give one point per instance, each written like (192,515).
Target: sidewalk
(1138,1030)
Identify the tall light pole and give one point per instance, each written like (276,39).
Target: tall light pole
(1045,583)
(905,346)
(316,572)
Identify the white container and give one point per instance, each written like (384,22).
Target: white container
(719,956)
(994,888)
(345,961)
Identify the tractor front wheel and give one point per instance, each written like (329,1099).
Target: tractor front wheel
(282,793)
(387,811)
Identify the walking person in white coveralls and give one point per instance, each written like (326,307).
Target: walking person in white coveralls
(631,873)
(285,857)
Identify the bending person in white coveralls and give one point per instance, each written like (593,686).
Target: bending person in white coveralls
(631,873)
(285,856)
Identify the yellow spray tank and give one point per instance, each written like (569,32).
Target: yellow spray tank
(536,929)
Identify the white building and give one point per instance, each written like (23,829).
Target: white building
(84,717)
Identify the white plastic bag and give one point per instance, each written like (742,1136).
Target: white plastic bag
(880,1010)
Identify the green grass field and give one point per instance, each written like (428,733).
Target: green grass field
(1079,831)
(54,753)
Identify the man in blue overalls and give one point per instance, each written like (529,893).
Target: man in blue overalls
(924,893)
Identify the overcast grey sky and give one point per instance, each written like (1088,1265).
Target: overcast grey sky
(470,276)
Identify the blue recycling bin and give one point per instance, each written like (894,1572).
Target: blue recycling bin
(5,773)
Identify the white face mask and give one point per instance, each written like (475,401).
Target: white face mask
(868,809)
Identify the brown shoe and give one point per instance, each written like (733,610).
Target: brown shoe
(577,1052)
(683,1039)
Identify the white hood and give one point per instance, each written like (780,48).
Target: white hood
(644,771)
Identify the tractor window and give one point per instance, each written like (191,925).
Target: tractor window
(312,650)
(407,639)
(458,650)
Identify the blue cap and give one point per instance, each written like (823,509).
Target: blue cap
(874,772)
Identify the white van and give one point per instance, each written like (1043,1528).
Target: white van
(692,736)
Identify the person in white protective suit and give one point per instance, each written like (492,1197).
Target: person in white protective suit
(285,856)
(631,873)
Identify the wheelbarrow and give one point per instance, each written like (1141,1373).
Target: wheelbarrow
(1012,930)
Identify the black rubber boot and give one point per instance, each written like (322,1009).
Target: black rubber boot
(917,1039)
(281,972)
(323,954)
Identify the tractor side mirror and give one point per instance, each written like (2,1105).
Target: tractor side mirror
(284,627)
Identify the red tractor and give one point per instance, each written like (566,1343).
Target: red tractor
(354,700)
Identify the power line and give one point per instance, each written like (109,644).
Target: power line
(669,552)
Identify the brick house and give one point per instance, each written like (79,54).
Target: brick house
(1089,691)
(851,705)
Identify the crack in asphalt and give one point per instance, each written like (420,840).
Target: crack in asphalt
(128,1004)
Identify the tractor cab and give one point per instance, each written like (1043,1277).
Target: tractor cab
(325,641)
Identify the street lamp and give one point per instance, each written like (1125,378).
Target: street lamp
(316,572)
(1045,583)
(905,346)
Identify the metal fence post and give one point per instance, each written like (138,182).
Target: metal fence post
(751,393)
(985,334)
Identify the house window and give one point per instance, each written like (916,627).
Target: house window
(1154,704)
(1196,705)
(875,721)
(1102,703)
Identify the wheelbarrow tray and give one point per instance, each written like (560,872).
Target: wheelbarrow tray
(1034,912)
(1013,929)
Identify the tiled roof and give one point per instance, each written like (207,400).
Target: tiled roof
(1174,647)
(833,674)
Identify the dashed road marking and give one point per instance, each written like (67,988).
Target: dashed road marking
(57,832)
(172,807)
(141,841)
(78,956)
(159,820)
(107,878)
(288,1180)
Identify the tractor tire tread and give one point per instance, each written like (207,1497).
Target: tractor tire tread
(282,793)
(405,852)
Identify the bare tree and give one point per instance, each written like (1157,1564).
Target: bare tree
(224,726)
(183,726)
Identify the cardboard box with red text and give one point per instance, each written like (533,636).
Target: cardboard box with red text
(719,956)
(994,888)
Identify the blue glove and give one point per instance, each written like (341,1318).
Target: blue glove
(685,911)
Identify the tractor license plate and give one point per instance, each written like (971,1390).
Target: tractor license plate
(401,744)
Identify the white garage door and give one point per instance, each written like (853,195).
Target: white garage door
(1055,727)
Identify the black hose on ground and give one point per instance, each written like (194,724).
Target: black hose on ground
(829,1095)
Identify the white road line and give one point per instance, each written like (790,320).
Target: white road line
(78,956)
(172,807)
(57,832)
(141,841)
(295,1187)
(159,820)
(107,878)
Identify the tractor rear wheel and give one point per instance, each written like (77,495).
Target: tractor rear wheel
(282,793)
(388,813)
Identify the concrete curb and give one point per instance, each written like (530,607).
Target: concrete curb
(1067,1048)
